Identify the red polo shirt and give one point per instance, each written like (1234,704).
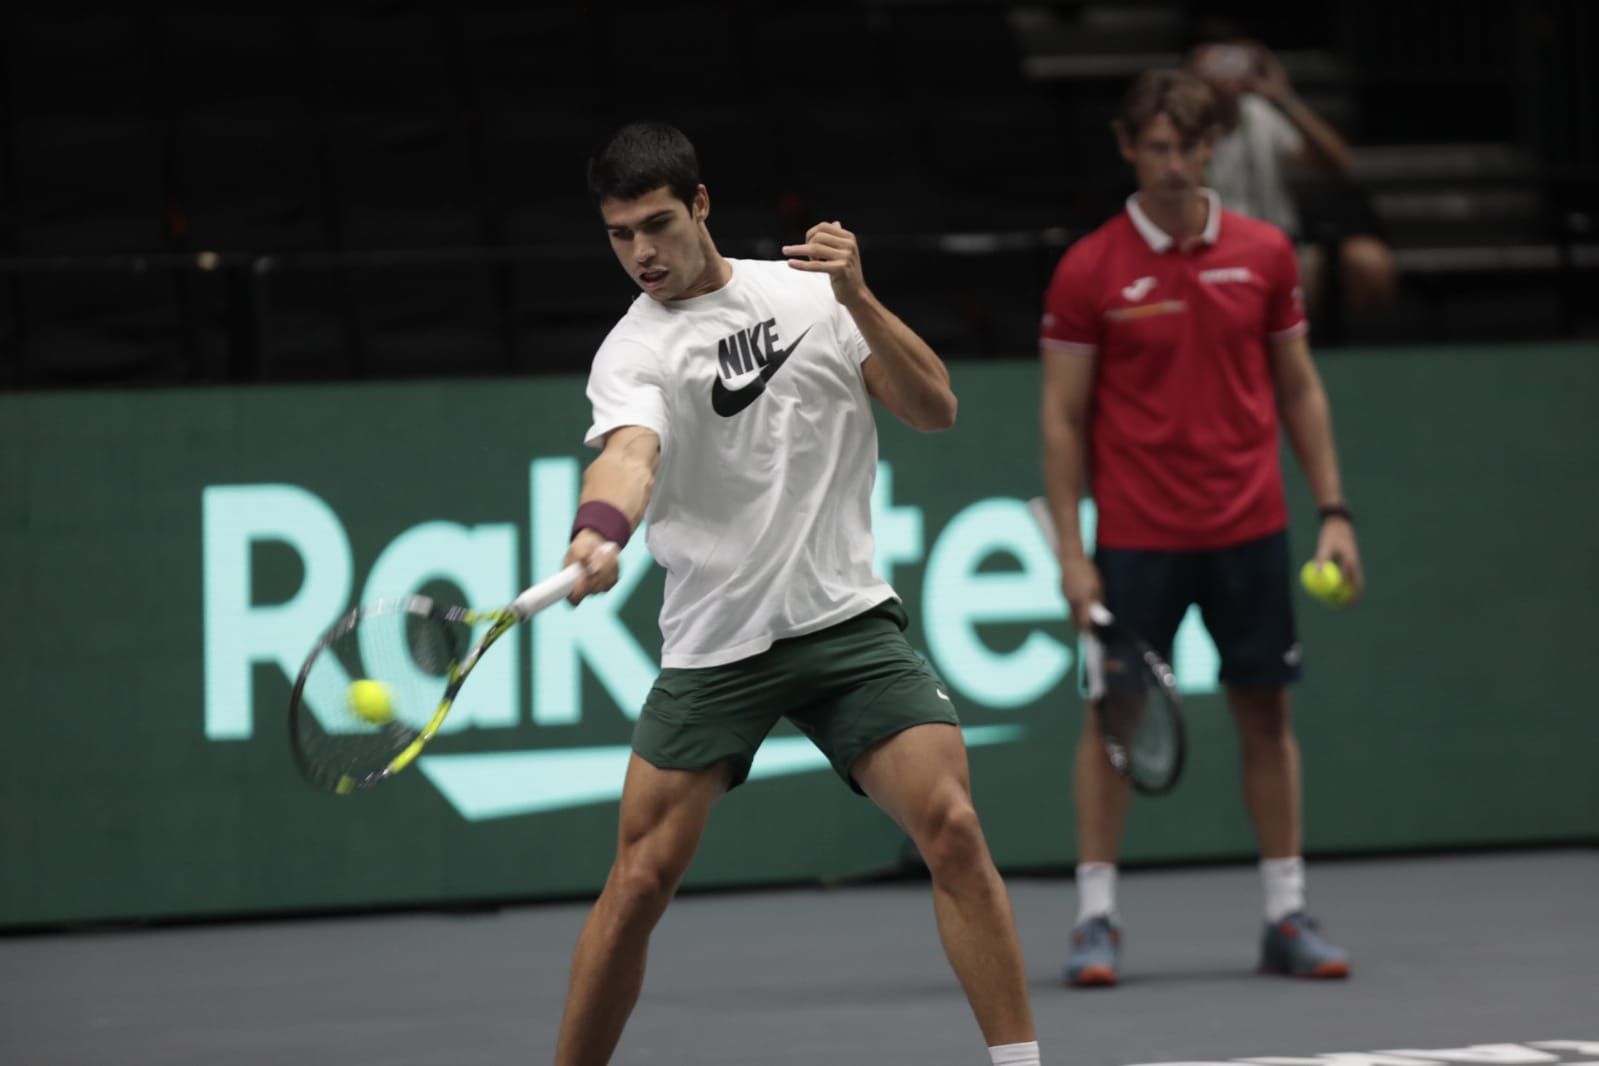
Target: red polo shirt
(1183,418)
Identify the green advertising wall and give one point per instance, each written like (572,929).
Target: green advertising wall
(169,556)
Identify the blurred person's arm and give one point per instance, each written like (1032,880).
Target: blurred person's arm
(1069,340)
(1307,419)
(1068,386)
(1322,147)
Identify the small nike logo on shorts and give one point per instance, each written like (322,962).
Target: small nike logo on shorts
(943,695)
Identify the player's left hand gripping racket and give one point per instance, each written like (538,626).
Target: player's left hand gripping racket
(1133,692)
(378,685)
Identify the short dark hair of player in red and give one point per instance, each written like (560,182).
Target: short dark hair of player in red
(1178,95)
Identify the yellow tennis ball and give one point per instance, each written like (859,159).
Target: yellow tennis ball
(1326,583)
(370,700)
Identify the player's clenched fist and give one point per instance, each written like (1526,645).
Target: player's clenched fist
(830,249)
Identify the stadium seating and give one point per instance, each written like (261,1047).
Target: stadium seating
(398,190)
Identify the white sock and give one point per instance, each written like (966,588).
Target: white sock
(1015,1054)
(1284,882)
(1096,890)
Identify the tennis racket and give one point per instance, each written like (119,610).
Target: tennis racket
(1132,690)
(378,685)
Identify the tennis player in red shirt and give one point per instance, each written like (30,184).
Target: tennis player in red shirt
(1173,342)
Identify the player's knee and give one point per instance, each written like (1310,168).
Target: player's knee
(643,880)
(952,838)
(1265,719)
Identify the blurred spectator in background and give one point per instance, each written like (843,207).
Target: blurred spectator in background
(1266,128)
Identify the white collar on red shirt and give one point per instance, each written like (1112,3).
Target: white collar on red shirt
(1158,239)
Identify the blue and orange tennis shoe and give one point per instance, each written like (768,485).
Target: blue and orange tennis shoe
(1096,950)
(1294,947)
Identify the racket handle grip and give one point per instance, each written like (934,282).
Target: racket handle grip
(555,587)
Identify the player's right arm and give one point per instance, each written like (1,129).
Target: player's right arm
(631,428)
(616,490)
(1068,348)
(1068,383)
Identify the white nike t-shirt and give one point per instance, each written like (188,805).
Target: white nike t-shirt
(761,512)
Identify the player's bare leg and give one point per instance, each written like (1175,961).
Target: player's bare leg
(1101,796)
(1293,944)
(920,779)
(663,816)
(1270,766)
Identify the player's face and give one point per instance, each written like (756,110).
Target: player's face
(659,240)
(1165,163)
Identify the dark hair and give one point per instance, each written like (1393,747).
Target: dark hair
(643,156)
(1181,96)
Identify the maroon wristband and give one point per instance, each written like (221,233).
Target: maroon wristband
(604,519)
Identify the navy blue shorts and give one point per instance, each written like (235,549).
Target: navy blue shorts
(1243,597)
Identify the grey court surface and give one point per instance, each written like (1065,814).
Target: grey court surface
(1470,959)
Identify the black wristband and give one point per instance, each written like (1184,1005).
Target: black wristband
(1336,510)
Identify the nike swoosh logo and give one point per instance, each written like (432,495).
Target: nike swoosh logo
(504,784)
(729,402)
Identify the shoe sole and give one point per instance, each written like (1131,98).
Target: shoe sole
(1327,971)
(1093,977)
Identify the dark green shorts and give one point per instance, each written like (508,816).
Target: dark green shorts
(847,687)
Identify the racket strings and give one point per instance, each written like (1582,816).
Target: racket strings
(1154,742)
(1143,739)
(411,655)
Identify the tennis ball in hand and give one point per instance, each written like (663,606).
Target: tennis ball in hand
(369,700)
(1326,583)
